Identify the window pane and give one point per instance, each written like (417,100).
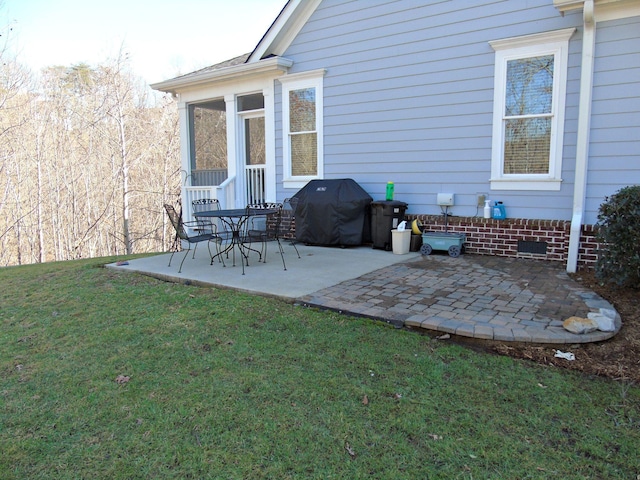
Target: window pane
(529,86)
(250,102)
(302,110)
(304,154)
(526,146)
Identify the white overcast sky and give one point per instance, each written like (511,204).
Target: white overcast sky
(163,38)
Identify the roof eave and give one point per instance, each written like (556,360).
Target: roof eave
(284,29)
(566,5)
(245,70)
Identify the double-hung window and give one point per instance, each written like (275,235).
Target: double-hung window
(528,117)
(302,108)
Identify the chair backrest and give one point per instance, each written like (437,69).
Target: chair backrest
(264,206)
(205,204)
(176,220)
(268,225)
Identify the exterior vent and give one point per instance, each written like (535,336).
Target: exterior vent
(537,248)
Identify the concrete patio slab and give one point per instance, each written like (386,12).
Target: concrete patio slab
(317,268)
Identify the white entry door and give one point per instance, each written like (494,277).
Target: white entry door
(253,156)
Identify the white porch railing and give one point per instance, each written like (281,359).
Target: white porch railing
(255,181)
(194,193)
(224,193)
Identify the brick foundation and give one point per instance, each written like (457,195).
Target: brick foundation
(500,237)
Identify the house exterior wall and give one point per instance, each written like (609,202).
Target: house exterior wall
(408,97)
(615,122)
(501,237)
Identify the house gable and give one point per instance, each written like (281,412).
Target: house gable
(284,29)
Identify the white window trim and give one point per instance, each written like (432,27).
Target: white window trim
(311,79)
(550,43)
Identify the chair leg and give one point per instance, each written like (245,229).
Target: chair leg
(264,249)
(174,248)
(184,258)
(294,246)
(281,252)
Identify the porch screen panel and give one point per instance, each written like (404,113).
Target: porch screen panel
(208,138)
(303,132)
(528,115)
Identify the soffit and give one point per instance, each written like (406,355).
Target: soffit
(233,69)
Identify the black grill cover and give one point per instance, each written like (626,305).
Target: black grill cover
(333,213)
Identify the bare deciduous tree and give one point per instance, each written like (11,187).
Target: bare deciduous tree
(89,156)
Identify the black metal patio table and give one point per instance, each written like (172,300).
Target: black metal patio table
(235,219)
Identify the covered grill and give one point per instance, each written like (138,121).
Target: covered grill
(333,213)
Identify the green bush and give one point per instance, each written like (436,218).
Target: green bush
(619,237)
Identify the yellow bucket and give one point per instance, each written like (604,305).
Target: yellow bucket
(416,227)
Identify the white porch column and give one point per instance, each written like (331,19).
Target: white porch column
(185,157)
(232,148)
(270,143)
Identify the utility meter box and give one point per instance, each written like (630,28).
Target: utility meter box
(445,199)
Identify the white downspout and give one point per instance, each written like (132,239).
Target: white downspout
(582,141)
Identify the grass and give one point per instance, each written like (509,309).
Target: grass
(228,385)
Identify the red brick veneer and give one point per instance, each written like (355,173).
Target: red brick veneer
(500,237)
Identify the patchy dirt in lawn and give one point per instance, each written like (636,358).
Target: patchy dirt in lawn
(617,358)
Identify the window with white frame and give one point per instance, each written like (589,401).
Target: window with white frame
(302,107)
(528,116)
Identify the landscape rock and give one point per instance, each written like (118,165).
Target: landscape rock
(580,325)
(608,312)
(604,322)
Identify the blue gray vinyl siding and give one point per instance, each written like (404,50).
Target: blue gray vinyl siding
(408,97)
(615,122)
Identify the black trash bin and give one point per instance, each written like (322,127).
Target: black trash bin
(385,216)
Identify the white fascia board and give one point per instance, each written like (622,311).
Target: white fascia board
(605,10)
(284,29)
(243,71)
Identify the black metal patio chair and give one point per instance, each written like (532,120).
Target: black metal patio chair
(257,227)
(204,205)
(285,218)
(181,228)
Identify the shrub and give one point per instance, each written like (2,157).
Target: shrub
(619,236)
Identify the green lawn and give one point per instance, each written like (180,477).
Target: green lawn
(228,385)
